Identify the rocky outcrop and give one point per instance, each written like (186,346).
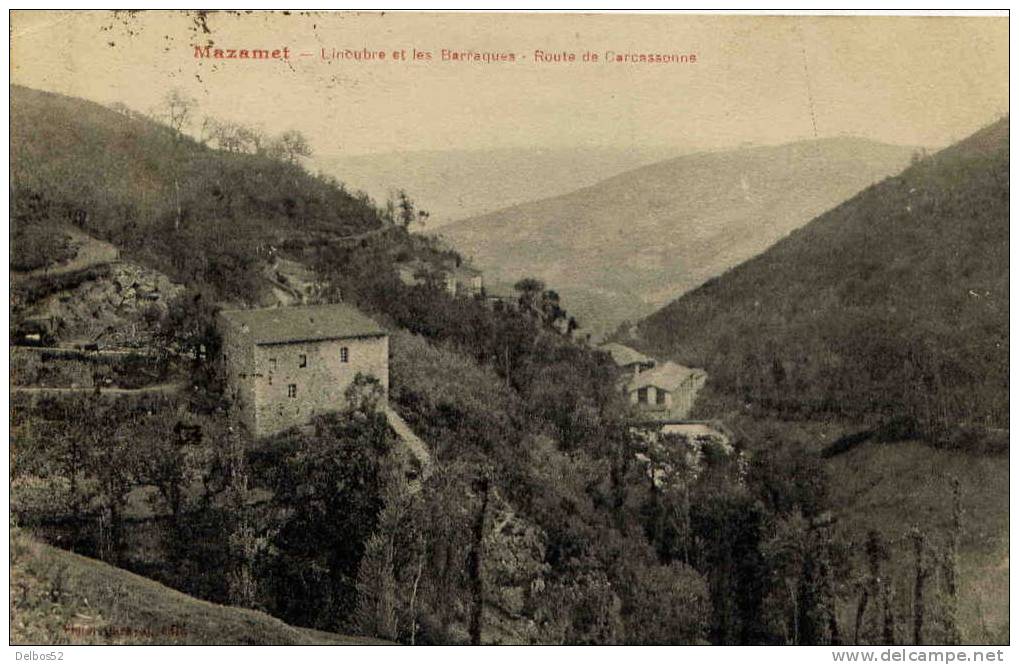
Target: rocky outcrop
(119,309)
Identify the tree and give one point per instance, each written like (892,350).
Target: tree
(476,563)
(252,139)
(177,109)
(405,208)
(376,612)
(921,573)
(872,606)
(112,461)
(365,395)
(550,309)
(189,325)
(530,290)
(328,490)
(817,616)
(669,605)
(388,212)
(289,146)
(786,553)
(580,607)
(951,568)
(169,467)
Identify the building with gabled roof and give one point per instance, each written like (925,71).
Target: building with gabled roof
(284,365)
(630,361)
(667,391)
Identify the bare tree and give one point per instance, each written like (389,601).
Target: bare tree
(207,132)
(225,134)
(252,139)
(405,206)
(290,145)
(475,564)
(178,109)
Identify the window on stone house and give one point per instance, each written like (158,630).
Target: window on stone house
(642,395)
(292,390)
(302,360)
(660,398)
(344,355)
(272,364)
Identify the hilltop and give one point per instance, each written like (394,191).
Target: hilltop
(891,308)
(624,246)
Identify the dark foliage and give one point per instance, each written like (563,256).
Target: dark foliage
(894,305)
(200,215)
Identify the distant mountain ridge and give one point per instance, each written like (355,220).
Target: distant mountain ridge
(456,184)
(891,307)
(622,247)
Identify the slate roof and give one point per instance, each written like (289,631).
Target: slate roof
(624,355)
(279,325)
(667,377)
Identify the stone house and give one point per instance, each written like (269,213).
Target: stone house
(466,281)
(463,281)
(285,365)
(667,391)
(501,300)
(413,272)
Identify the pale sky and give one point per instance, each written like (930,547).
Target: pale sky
(908,80)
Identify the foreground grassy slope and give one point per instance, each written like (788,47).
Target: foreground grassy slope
(57,597)
(894,305)
(622,247)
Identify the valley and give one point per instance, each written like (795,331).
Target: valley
(621,248)
(846,315)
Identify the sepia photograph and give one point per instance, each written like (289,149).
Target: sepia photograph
(509,328)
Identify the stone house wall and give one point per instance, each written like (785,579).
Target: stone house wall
(293,382)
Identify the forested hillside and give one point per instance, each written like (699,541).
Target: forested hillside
(162,484)
(892,308)
(200,215)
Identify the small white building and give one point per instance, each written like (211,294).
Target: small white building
(666,391)
(465,281)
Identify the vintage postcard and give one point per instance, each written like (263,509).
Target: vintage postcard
(519,328)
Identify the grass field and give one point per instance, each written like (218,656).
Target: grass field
(57,597)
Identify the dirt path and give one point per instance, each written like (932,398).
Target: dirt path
(158,388)
(77,351)
(416,446)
